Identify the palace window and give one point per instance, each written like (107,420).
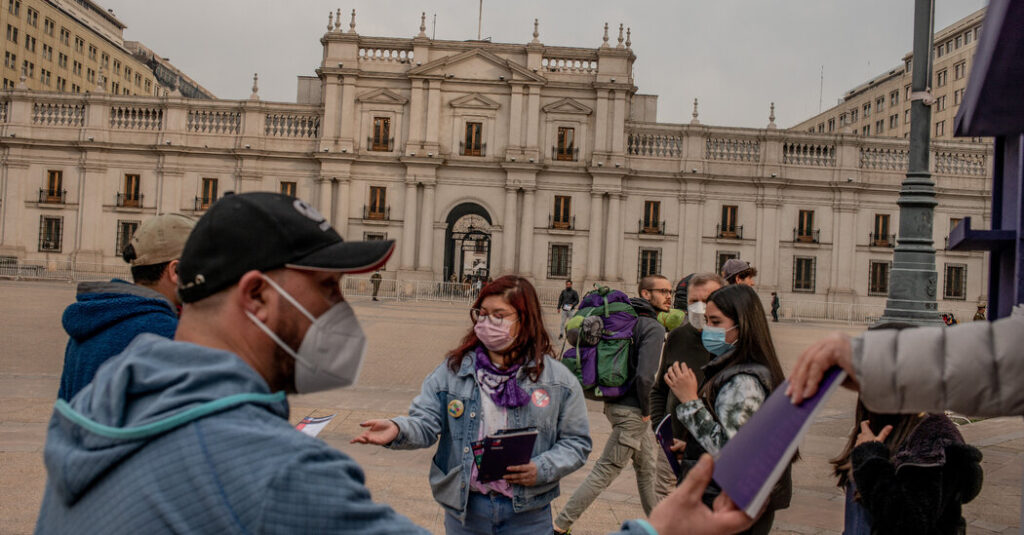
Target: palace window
(125,231)
(879,103)
(894,98)
(10,60)
(54,192)
(867,110)
(805,226)
(894,121)
(381,134)
(650,263)
(955,286)
(375,236)
(559,260)
(562,217)
(940,128)
(62,60)
(959,70)
(50,233)
(378,203)
(79,44)
(65,36)
(92,52)
(473,145)
(48,26)
(209,193)
(288,188)
(47,52)
(865,130)
(14,7)
(32,17)
(878,283)
(652,217)
(958,96)
(941,77)
(803,274)
(940,103)
(728,227)
(880,237)
(131,196)
(879,126)
(12,34)
(566,144)
(906,117)
(831,125)
(721,257)
(30,43)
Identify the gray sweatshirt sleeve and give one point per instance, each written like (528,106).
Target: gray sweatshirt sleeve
(652,339)
(974,368)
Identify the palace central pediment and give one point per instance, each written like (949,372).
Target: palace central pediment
(568,105)
(477,64)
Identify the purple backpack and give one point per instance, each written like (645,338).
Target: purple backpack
(601,333)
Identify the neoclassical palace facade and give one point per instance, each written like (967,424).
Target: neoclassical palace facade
(487,158)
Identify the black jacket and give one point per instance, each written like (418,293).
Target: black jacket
(682,345)
(648,339)
(568,297)
(922,487)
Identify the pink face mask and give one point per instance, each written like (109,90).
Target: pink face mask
(495,337)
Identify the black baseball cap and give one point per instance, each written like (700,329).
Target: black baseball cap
(265,231)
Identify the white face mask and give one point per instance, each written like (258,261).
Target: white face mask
(332,351)
(695,314)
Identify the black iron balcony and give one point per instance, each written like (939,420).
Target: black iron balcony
(380,145)
(806,235)
(565,154)
(53,196)
(380,214)
(882,240)
(203,203)
(129,200)
(479,150)
(562,224)
(729,232)
(650,227)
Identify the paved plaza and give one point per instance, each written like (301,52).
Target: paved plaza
(407,340)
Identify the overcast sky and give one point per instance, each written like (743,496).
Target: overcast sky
(736,56)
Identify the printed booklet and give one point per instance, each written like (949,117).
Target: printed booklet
(495,453)
(664,436)
(753,460)
(312,425)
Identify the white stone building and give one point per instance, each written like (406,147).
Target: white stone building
(486,158)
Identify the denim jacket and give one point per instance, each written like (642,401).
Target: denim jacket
(556,408)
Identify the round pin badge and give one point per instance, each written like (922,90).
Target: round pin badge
(540,398)
(455,408)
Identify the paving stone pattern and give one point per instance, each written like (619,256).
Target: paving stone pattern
(407,340)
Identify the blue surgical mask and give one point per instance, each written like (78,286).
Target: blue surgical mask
(713,339)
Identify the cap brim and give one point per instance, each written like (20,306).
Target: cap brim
(348,257)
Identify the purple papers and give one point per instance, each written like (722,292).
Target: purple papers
(753,460)
(313,426)
(664,435)
(495,453)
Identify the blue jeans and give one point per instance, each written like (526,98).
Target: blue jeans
(492,514)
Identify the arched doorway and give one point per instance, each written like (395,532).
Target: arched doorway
(467,244)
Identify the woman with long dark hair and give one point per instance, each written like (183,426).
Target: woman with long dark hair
(906,473)
(743,372)
(501,376)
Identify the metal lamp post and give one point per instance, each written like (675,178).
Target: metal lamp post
(913,280)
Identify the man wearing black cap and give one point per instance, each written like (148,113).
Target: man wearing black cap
(192,435)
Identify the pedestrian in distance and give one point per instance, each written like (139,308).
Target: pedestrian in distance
(775,307)
(375,280)
(631,439)
(908,371)
(107,316)
(682,345)
(979,315)
(501,376)
(736,271)
(567,301)
(741,375)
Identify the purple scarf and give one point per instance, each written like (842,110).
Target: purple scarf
(501,385)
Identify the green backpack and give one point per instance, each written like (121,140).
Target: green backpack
(601,333)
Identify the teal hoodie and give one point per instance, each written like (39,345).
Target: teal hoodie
(172,437)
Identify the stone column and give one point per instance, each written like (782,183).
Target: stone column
(416,113)
(508,233)
(427,229)
(601,122)
(409,227)
(594,237)
(433,111)
(526,235)
(618,123)
(331,103)
(682,254)
(533,117)
(325,196)
(342,206)
(348,106)
(515,122)
(614,234)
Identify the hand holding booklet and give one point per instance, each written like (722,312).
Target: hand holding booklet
(508,447)
(753,460)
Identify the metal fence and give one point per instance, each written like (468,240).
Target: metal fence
(855,313)
(64,270)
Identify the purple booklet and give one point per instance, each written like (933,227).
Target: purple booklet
(753,460)
(664,435)
(495,453)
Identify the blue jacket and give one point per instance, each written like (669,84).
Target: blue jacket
(104,320)
(563,440)
(172,437)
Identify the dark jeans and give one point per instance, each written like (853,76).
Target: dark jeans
(493,514)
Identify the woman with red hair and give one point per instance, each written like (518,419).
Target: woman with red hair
(501,376)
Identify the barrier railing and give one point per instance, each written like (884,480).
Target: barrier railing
(63,270)
(855,312)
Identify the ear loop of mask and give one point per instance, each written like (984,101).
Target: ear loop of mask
(266,330)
